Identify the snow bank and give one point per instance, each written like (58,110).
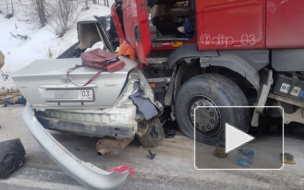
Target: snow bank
(42,42)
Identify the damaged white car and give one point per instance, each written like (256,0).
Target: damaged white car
(117,107)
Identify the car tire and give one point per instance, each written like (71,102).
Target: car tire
(210,90)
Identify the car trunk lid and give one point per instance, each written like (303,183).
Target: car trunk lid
(45,85)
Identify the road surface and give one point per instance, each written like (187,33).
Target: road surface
(172,167)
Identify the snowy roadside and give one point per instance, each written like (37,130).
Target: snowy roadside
(41,44)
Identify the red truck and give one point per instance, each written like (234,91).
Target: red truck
(237,53)
(213,53)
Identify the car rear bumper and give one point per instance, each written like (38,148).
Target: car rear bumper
(84,173)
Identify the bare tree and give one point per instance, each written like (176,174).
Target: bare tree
(87,5)
(34,10)
(8,6)
(106,3)
(40,8)
(12,4)
(62,15)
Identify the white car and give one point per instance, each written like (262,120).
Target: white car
(116,107)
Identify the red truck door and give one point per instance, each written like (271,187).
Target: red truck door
(230,24)
(136,25)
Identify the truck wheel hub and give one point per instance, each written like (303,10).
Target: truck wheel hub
(208,118)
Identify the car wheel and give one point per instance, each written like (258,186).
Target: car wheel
(210,90)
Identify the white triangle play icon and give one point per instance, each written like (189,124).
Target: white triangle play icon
(235,138)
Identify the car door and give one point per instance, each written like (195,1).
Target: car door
(136,25)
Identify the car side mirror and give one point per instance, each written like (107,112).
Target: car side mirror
(1,59)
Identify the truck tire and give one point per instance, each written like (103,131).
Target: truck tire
(211,90)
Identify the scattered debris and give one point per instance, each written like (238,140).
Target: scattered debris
(122,168)
(169,133)
(4,76)
(220,152)
(288,158)
(15,100)
(151,155)
(23,37)
(244,157)
(11,157)
(111,146)
(7,96)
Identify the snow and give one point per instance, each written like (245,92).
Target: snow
(42,42)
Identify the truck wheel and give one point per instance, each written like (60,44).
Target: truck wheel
(210,90)
(153,136)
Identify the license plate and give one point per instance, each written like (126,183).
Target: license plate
(85,95)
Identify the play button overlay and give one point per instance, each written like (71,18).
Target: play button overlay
(235,138)
(222,142)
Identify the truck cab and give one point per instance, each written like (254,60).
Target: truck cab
(212,25)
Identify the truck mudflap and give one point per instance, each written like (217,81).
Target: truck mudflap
(84,173)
